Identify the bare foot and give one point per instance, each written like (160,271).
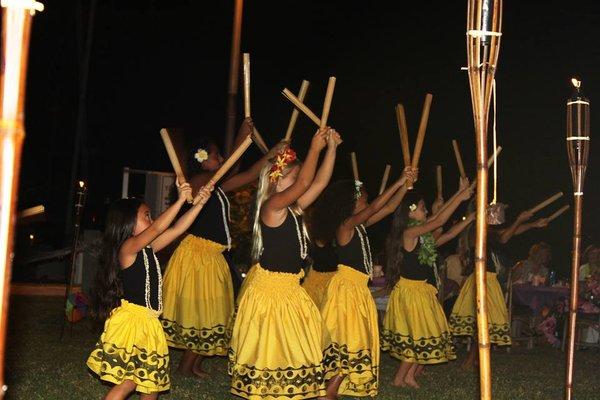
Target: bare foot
(399,382)
(198,371)
(411,383)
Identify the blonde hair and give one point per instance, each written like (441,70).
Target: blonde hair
(264,191)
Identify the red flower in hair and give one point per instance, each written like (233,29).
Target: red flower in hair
(282,159)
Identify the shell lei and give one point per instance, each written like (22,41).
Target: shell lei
(225,210)
(302,236)
(366,249)
(147,283)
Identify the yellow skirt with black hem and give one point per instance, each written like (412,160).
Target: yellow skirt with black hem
(315,285)
(198,298)
(350,317)
(132,347)
(276,341)
(245,284)
(463,318)
(415,327)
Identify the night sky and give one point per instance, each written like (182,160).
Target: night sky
(165,63)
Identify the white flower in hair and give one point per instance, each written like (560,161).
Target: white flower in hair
(201,155)
(412,207)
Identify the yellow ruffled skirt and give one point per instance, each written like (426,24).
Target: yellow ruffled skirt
(315,283)
(276,340)
(245,283)
(132,348)
(350,316)
(198,298)
(415,327)
(463,319)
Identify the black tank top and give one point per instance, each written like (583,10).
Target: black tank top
(281,246)
(352,254)
(134,280)
(413,269)
(213,221)
(324,258)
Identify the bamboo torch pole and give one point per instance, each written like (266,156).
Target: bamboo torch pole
(578,147)
(234,70)
(16,27)
(484,21)
(295,112)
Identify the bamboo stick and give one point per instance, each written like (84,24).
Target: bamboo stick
(16,29)
(403,128)
(295,112)
(558,213)
(422,129)
(246,61)
(384,180)
(546,202)
(299,105)
(230,162)
(459,160)
(440,189)
(354,166)
(327,102)
(234,69)
(259,141)
(164,134)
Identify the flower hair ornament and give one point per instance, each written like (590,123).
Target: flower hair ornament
(201,155)
(412,207)
(357,189)
(282,159)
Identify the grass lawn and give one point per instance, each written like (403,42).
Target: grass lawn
(40,366)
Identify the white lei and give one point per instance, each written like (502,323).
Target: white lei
(147,286)
(366,249)
(226,215)
(302,236)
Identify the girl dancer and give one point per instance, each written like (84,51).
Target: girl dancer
(198,288)
(415,329)
(349,311)
(132,352)
(276,341)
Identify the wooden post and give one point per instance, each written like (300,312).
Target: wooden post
(16,27)
(484,25)
(295,112)
(234,67)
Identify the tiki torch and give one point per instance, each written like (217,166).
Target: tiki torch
(578,147)
(484,23)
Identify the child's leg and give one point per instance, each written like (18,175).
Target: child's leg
(152,396)
(401,373)
(332,388)
(197,369)
(472,357)
(121,391)
(420,370)
(186,364)
(409,379)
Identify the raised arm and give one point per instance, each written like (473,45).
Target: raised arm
(185,221)
(324,173)
(251,174)
(280,201)
(346,230)
(540,223)
(455,230)
(134,244)
(437,221)
(509,232)
(396,199)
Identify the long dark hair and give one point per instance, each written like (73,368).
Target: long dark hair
(120,225)
(336,204)
(394,242)
(193,166)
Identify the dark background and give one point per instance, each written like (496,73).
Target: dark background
(166,63)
